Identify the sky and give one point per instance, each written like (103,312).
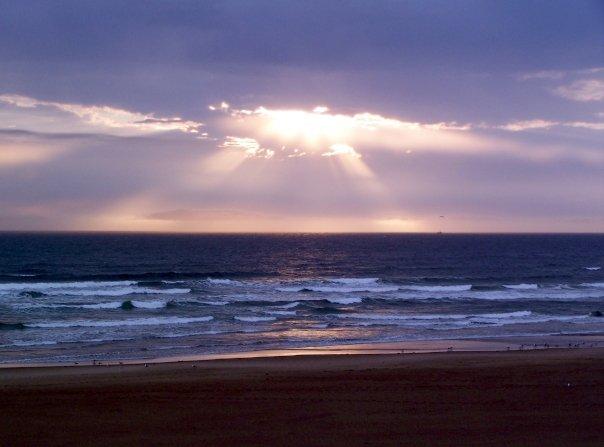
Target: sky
(302,116)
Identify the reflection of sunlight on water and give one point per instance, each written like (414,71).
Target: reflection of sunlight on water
(318,333)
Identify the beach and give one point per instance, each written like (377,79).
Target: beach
(519,397)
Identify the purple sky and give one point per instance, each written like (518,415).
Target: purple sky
(302,116)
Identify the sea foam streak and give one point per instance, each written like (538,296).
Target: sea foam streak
(453,288)
(105,305)
(351,300)
(127,322)
(281,312)
(339,289)
(221,281)
(597,285)
(355,281)
(87,288)
(521,286)
(290,305)
(339,285)
(518,314)
(122,291)
(42,286)
(254,319)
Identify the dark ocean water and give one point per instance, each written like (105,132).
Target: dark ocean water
(70,297)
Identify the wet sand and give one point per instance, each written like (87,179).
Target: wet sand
(552,397)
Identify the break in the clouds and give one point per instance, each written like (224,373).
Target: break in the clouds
(302,116)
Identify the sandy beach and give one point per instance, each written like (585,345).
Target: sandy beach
(529,397)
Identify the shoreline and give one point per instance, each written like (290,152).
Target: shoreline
(482,344)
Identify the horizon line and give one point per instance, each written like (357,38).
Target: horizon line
(269,233)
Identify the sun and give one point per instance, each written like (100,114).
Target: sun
(312,129)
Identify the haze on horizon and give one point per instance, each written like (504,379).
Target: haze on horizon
(235,116)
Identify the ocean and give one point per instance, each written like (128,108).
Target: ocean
(82,297)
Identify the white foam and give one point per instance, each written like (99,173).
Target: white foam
(597,285)
(290,305)
(593,268)
(149,304)
(105,305)
(339,289)
(215,303)
(355,281)
(30,343)
(521,286)
(254,319)
(121,291)
(191,334)
(42,286)
(127,322)
(455,288)
(519,314)
(110,305)
(351,300)
(444,321)
(281,312)
(221,281)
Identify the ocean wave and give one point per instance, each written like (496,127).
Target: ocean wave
(44,286)
(521,286)
(221,281)
(594,268)
(290,305)
(597,285)
(354,281)
(85,288)
(155,321)
(351,300)
(554,293)
(21,343)
(339,289)
(31,294)
(518,314)
(458,321)
(122,291)
(281,312)
(447,288)
(128,304)
(149,304)
(254,319)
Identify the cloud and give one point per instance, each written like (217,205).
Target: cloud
(558,74)
(543,74)
(341,150)
(249,146)
(518,126)
(586,125)
(583,90)
(318,129)
(102,117)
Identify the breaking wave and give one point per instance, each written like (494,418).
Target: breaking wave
(126,322)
